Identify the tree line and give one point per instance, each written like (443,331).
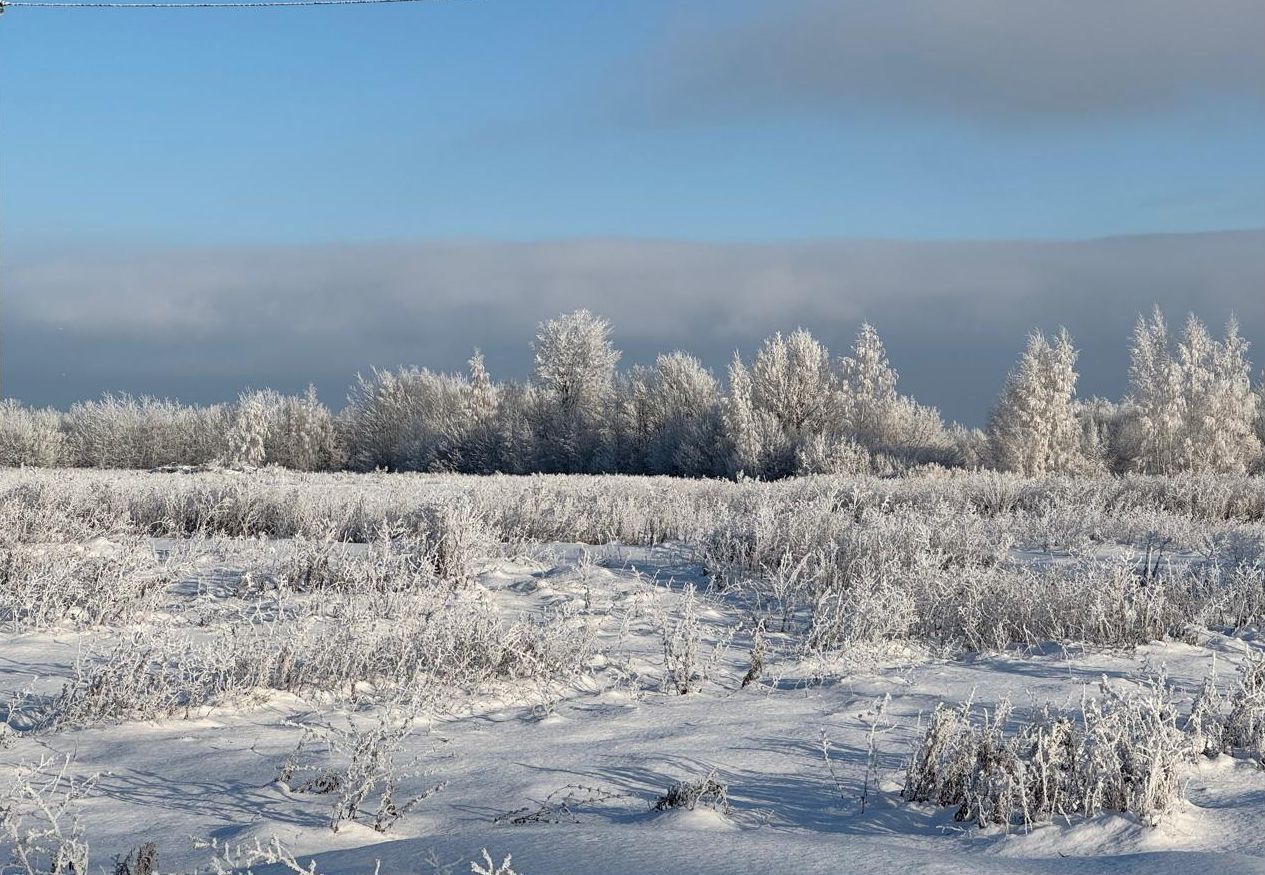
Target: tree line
(792,410)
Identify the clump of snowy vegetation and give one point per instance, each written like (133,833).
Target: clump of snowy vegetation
(40,828)
(419,648)
(1128,751)
(359,768)
(1123,752)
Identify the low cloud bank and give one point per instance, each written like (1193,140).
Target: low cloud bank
(202,324)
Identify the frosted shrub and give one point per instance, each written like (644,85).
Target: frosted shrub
(359,768)
(388,565)
(455,536)
(121,431)
(407,420)
(683,664)
(426,647)
(1232,723)
(832,455)
(1121,753)
(302,434)
(44,513)
(39,821)
(29,436)
(871,609)
(88,585)
(706,792)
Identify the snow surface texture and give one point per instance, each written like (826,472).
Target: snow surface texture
(605,674)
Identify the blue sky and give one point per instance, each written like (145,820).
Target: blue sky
(223,142)
(529,120)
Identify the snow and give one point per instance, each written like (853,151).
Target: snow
(795,805)
(211,775)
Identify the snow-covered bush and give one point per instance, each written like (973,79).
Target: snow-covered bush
(1123,752)
(359,768)
(92,584)
(832,455)
(121,431)
(1232,723)
(30,436)
(350,646)
(407,420)
(705,792)
(683,662)
(40,829)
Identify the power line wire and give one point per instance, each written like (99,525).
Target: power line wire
(209,4)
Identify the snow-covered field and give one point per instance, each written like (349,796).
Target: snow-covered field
(205,661)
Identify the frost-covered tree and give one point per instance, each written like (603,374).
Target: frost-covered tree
(248,435)
(407,420)
(789,396)
(1219,408)
(575,375)
(670,419)
(1104,433)
(1157,397)
(484,446)
(869,385)
(481,394)
(30,436)
(876,415)
(1033,429)
(743,427)
(515,428)
(301,433)
(1193,411)
(792,381)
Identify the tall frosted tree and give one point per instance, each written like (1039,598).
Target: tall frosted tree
(742,423)
(483,445)
(1194,411)
(1157,397)
(876,414)
(575,375)
(1034,429)
(248,435)
(670,420)
(1218,406)
(789,396)
(869,384)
